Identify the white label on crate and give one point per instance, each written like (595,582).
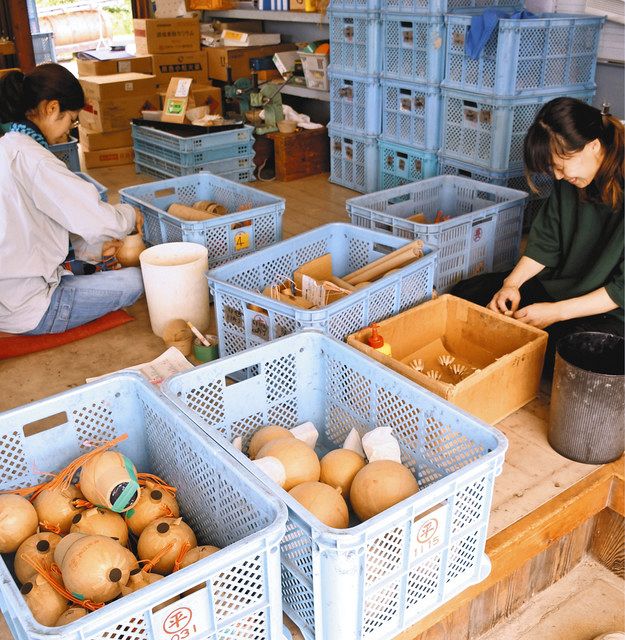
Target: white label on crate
(183,87)
(123,66)
(183,620)
(128,86)
(428,532)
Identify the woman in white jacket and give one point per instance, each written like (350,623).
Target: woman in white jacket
(44,207)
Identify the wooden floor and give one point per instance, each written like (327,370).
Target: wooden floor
(533,473)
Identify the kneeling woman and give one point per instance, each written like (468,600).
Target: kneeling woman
(44,206)
(571,276)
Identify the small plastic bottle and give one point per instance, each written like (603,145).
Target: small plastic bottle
(376,341)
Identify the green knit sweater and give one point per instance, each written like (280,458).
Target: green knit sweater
(580,244)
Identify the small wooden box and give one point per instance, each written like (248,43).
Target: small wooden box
(504,357)
(305,152)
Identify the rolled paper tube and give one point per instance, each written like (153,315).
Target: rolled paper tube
(182,212)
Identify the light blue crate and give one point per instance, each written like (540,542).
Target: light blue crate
(411,114)
(372,580)
(102,190)
(354,103)
(489,131)
(238,285)
(219,167)
(43,47)
(221,501)
(484,230)
(355,42)
(553,52)
(67,152)
(413,47)
(400,165)
(355,6)
(353,160)
(238,175)
(439,7)
(254,221)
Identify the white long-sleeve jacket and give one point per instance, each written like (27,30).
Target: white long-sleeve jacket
(42,205)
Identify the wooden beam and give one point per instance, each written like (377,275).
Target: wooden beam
(21,34)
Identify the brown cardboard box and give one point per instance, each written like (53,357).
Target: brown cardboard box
(504,357)
(177,100)
(166,66)
(108,157)
(113,115)
(171,35)
(140,64)
(120,85)
(202,95)
(251,26)
(238,58)
(97,140)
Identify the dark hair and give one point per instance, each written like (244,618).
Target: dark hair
(20,94)
(564,126)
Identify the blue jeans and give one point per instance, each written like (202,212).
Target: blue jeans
(81,299)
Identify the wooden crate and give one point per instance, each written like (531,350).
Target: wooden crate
(305,152)
(503,356)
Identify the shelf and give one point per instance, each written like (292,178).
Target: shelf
(305,92)
(7,48)
(276,16)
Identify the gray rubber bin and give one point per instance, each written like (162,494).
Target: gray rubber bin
(587,415)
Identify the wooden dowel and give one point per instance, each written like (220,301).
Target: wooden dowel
(397,258)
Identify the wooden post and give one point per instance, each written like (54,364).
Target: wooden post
(21,34)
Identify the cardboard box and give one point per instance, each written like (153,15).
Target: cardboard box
(121,85)
(202,95)
(192,65)
(238,58)
(250,26)
(96,141)
(172,35)
(141,64)
(113,115)
(177,100)
(109,157)
(504,357)
(285,61)
(245,39)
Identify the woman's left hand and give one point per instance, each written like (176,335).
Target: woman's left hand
(540,315)
(109,249)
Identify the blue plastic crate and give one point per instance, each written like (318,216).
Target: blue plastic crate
(374,579)
(353,160)
(238,285)
(355,42)
(413,47)
(553,52)
(219,167)
(254,221)
(483,233)
(221,501)
(102,190)
(239,175)
(401,165)
(67,152)
(411,114)
(354,104)
(43,47)
(438,7)
(488,131)
(357,6)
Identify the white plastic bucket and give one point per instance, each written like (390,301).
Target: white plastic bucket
(175,284)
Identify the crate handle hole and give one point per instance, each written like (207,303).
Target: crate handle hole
(382,248)
(45,424)
(241,375)
(162,193)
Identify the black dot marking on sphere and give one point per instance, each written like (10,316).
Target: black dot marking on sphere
(43,546)
(156,494)
(77,518)
(134,572)
(163,527)
(27,587)
(115,575)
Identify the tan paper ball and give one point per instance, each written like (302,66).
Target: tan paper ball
(324,502)
(339,467)
(379,485)
(18,521)
(157,535)
(153,503)
(140,579)
(55,507)
(39,547)
(265,435)
(71,615)
(299,460)
(44,602)
(101,522)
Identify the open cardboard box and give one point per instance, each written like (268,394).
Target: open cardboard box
(503,356)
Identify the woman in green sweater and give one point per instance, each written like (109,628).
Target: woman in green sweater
(570,278)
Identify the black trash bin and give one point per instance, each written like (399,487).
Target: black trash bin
(586,419)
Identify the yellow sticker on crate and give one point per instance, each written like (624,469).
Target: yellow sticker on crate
(241,241)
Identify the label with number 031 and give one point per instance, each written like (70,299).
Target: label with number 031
(182,620)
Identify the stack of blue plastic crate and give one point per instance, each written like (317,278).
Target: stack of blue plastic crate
(489,103)
(355,109)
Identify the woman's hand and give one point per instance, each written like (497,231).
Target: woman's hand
(138,221)
(506,300)
(109,249)
(540,315)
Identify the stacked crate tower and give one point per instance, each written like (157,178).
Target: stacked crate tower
(354,81)
(489,103)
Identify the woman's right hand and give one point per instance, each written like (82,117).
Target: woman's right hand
(138,221)
(506,300)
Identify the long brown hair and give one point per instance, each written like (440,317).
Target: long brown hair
(565,126)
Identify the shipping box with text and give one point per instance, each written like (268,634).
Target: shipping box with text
(172,35)
(238,59)
(138,64)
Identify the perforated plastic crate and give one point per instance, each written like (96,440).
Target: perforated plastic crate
(376,578)
(401,165)
(255,220)
(353,160)
(102,190)
(438,7)
(237,285)
(355,104)
(219,167)
(43,47)
(221,501)
(240,175)
(413,47)
(67,152)
(489,131)
(355,43)
(411,114)
(354,5)
(553,52)
(483,232)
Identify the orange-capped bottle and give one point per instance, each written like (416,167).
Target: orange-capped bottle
(376,341)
